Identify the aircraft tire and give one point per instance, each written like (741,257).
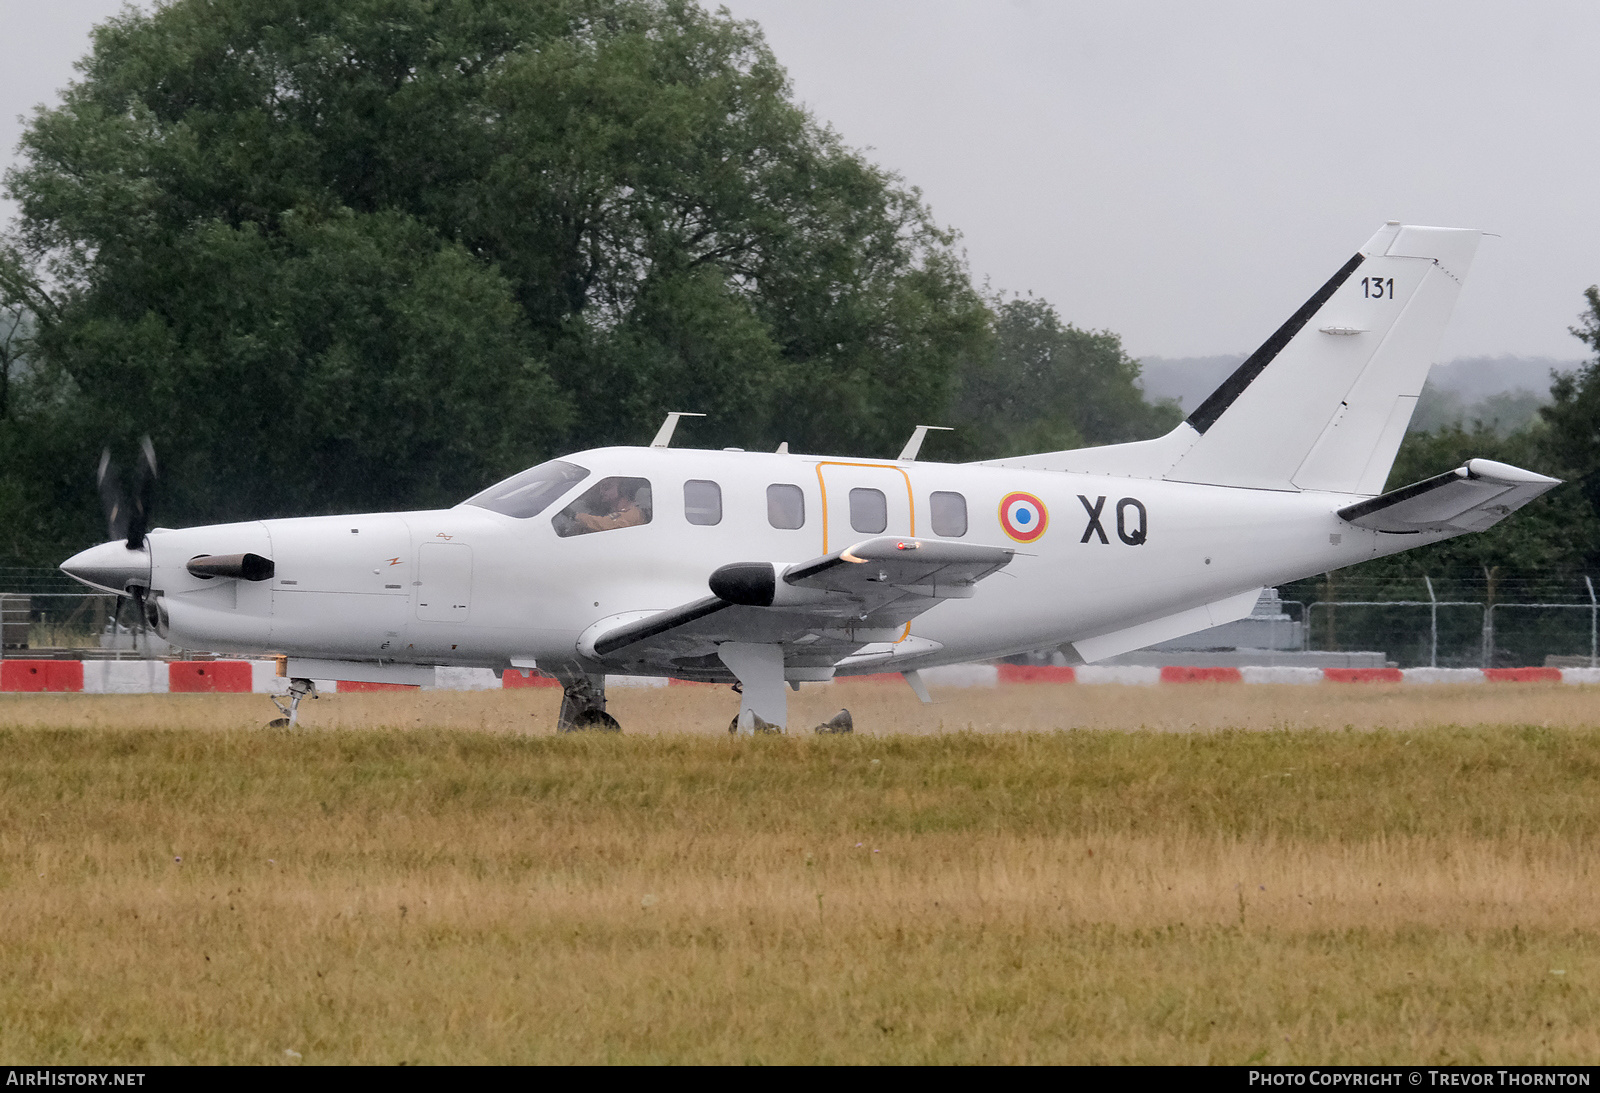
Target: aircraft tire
(762,727)
(840,722)
(594,721)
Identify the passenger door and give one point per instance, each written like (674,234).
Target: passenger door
(862,500)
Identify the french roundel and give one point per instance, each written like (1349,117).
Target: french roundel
(1023,516)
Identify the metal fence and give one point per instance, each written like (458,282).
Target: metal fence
(45,613)
(83,625)
(1456,632)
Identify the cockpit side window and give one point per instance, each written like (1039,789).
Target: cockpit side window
(528,494)
(609,504)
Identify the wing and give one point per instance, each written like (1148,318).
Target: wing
(1469,498)
(822,612)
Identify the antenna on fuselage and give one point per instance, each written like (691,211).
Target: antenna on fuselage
(918,435)
(664,434)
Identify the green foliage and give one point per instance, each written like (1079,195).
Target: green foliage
(1574,414)
(1505,411)
(347,362)
(1552,535)
(1542,551)
(1536,555)
(378,253)
(1045,385)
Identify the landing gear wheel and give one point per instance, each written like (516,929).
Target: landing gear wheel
(840,722)
(583,704)
(762,727)
(592,720)
(299,689)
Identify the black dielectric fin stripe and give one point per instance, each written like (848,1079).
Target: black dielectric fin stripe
(659,624)
(1207,413)
(1404,493)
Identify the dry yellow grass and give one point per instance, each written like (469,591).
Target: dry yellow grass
(879,708)
(439,878)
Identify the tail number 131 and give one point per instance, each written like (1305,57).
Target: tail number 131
(1377,288)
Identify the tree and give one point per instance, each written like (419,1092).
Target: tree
(1044,385)
(380,252)
(344,254)
(1545,542)
(1573,417)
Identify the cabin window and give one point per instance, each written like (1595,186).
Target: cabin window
(609,504)
(869,511)
(947,512)
(702,502)
(786,506)
(528,494)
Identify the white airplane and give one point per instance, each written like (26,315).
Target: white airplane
(766,569)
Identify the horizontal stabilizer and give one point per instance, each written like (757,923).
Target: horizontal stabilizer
(1470,498)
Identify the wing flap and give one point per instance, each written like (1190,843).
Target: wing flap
(1472,497)
(878,571)
(821,611)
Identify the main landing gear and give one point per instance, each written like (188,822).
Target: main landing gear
(298,690)
(583,705)
(840,722)
(763,707)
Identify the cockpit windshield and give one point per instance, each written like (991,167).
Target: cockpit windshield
(530,493)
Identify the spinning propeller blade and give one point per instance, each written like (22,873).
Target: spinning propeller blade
(128,517)
(111,499)
(144,494)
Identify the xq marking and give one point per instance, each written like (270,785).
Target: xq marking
(1133,532)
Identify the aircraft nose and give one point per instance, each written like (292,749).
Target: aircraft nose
(109,566)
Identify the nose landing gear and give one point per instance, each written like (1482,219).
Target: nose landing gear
(298,690)
(583,705)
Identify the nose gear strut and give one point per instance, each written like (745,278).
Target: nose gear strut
(298,690)
(583,704)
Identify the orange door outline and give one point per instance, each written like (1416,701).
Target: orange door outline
(911,503)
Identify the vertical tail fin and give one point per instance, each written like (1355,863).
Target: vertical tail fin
(1324,403)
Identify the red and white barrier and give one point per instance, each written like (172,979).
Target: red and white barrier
(127,677)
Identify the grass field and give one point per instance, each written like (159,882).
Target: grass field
(1195,873)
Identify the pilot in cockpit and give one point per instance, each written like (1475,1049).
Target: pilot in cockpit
(612,503)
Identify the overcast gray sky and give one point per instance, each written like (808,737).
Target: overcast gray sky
(1184,174)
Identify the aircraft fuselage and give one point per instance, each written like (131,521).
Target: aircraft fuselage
(473,586)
